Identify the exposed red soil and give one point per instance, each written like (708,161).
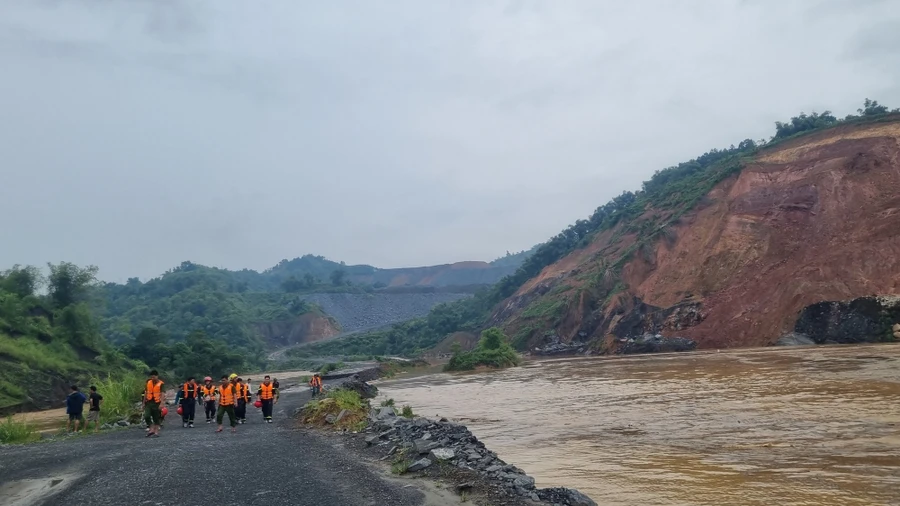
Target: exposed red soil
(814,219)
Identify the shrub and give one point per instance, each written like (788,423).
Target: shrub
(407,412)
(333,403)
(493,350)
(120,395)
(12,432)
(387,402)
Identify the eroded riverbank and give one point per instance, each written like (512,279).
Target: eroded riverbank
(771,426)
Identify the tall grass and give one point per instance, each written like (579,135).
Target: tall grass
(120,394)
(12,431)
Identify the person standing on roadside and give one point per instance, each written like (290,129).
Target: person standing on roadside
(243,398)
(94,402)
(75,408)
(268,395)
(154,397)
(189,393)
(208,391)
(227,399)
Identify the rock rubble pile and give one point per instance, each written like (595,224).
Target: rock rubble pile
(424,443)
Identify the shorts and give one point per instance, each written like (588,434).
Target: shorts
(76,416)
(93,416)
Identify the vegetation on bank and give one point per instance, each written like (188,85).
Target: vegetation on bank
(326,411)
(17,432)
(669,194)
(49,341)
(120,395)
(492,351)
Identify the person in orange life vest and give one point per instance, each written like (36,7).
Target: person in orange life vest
(208,394)
(190,391)
(243,397)
(227,400)
(154,397)
(315,383)
(268,395)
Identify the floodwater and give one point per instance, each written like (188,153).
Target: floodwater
(799,426)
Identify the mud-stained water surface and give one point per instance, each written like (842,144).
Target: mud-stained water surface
(810,426)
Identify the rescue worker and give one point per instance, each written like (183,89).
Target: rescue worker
(227,398)
(208,391)
(243,398)
(268,395)
(188,402)
(315,383)
(154,397)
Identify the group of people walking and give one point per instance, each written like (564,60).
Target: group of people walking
(230,397)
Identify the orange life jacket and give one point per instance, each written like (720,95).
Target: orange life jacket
(266,391)
(154,391)
(208,390)
(226,395)
(315,381)
(243,391)
(189,388)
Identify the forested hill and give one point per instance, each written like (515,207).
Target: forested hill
(48,341)
(253,311)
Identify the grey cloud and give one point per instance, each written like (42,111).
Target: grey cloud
(137,134)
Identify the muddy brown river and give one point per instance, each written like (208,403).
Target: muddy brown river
(800,426)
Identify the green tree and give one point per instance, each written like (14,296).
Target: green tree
(309,279)
(70,283)
(338,276)
(492,339)
(872,108)
(22,281)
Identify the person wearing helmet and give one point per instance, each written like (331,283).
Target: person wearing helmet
(188,402)
(243,397)
(208,393)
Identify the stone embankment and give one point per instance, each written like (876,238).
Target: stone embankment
(421,444)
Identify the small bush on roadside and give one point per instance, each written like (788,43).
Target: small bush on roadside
(318,412)
(387,403)
(14,432)
(407,412)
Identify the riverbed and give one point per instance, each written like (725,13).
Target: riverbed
(797,426)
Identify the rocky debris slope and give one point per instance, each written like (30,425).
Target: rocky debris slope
(423,443)
(363,311)
(861,320)
(650,343)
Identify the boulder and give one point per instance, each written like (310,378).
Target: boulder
(419,465)
(442,454)
(330,418)
(343,414)
(422,446)
(123,423)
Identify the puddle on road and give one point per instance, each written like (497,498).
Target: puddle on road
(34,491)
(773,426)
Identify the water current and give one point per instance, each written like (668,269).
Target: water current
(798,426)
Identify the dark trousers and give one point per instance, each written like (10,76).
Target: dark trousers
(188,408)
(240,411)
(210,409)
(229,410)
(267,408)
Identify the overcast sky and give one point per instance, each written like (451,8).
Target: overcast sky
(138,134)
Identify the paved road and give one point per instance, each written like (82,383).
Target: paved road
(260,465)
